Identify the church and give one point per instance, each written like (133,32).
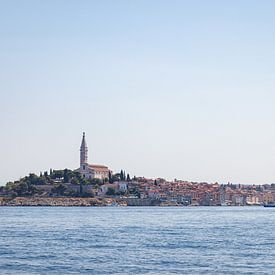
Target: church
(90,171)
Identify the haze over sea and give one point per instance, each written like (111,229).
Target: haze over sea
(145,240)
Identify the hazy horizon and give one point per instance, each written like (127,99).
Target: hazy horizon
(172,89)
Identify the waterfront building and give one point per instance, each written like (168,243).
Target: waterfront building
(122,186)
(90,171)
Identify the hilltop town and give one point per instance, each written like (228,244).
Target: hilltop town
(93,184)
(133,191)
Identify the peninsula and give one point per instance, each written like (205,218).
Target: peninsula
(97,185)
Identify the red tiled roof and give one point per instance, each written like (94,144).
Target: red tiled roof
(99,167)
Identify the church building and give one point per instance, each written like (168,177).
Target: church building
(90,171)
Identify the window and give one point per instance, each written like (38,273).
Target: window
(83,167)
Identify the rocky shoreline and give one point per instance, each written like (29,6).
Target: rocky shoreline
(60,201)
(76,201)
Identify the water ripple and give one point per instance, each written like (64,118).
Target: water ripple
(145,240)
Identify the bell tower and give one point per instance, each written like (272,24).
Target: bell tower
(83,151)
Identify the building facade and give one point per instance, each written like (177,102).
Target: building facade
(91,171)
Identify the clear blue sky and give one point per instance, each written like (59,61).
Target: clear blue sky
(174,89)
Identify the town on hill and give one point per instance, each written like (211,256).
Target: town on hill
(93,184)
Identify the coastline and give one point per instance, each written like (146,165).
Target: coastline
(78,201)
(60,201)
(86,202)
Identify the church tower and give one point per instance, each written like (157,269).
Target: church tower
(90,171)
(83,151)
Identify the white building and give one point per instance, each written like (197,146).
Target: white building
(122,186)
(90,171)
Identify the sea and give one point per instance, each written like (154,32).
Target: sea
(137,240)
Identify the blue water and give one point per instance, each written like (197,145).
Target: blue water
(145,240)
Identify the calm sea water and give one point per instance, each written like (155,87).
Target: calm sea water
(145,240)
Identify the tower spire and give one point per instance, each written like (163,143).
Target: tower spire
(83,151)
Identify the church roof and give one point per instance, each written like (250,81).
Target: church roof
(98,167)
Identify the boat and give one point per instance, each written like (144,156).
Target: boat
(271,204)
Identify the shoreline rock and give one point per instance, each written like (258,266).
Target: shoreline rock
(60,201)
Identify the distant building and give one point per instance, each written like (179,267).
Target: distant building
(90,171)
(105,187)
(122,186)
(252,200)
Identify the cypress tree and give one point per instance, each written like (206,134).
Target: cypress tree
(128,177)
(110,177)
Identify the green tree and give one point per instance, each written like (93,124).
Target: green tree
(57,174)
(75,181)
(66,177)
(128,177)
(111,191)
(32,190)
(110,177)
(41,181)
(10,186)
(21,188)
(135,191)
(81,188)
(95,181)
(32,179)
(59,190)
(115,177)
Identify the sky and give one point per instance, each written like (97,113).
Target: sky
(173,89)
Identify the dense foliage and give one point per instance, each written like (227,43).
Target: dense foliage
(29,185)
(56,181)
